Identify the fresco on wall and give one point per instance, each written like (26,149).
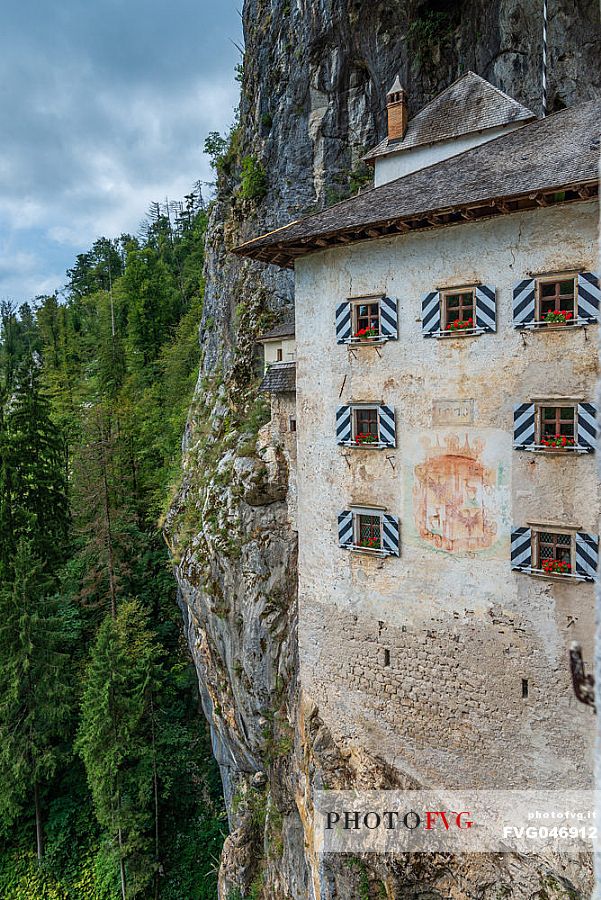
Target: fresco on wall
(456,507)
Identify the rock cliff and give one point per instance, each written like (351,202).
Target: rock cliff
(313,85)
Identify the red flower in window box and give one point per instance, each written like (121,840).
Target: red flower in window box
(555,567)
(558,442)
(370,543)
(364,334)
(366,438)
(461,325)
(558,317)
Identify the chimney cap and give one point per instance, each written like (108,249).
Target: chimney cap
(396,88)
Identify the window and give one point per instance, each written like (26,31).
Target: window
(366,425)
(279,354)
(366,320)
(548,550)
(556,426)
(368,531)
(552,552)
(470,310)
(556,300)
(292,424)
(560,299)
(458,310)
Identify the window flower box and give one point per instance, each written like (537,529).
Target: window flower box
(366,438)
(558,442)
(461,325)
(558,317)
(366,334)
(555,567)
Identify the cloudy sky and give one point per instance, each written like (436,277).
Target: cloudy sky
(104,107)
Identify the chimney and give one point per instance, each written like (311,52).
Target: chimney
(396,103)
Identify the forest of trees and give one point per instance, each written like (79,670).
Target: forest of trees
(107,785)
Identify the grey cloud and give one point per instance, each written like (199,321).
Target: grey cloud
(104,107)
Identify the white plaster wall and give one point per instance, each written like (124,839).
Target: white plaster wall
(462,628)
(395,165)
(287,346)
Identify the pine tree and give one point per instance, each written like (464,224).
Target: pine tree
(117,743)
(35,698)
(35,462)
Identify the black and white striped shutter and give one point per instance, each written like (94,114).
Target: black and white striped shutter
(389,318)
(391,535)
(486,307)
(587,554)
(431,314)
(387,426)
(589,296)
(343,323)
(523,425)
(343,424)
(524,294)
(521,548)
(345,528)
(587,426)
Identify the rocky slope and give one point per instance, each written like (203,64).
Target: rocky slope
(313,89)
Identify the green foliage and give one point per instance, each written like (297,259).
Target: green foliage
(116,737)
(253,181)
(429,27)
(34,487)
(215,147)
(35,697)
(94,394)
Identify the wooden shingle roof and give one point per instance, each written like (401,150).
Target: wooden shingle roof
(286,329)
(552,160)
(468,105)
(280,378)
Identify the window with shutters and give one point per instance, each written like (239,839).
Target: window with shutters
(563,299)
(547,550)
(366,425)
(365,321)
(468,310)
(554,426)
(369,530)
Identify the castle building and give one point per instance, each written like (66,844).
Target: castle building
(448,504)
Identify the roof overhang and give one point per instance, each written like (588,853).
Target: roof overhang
(282,252)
